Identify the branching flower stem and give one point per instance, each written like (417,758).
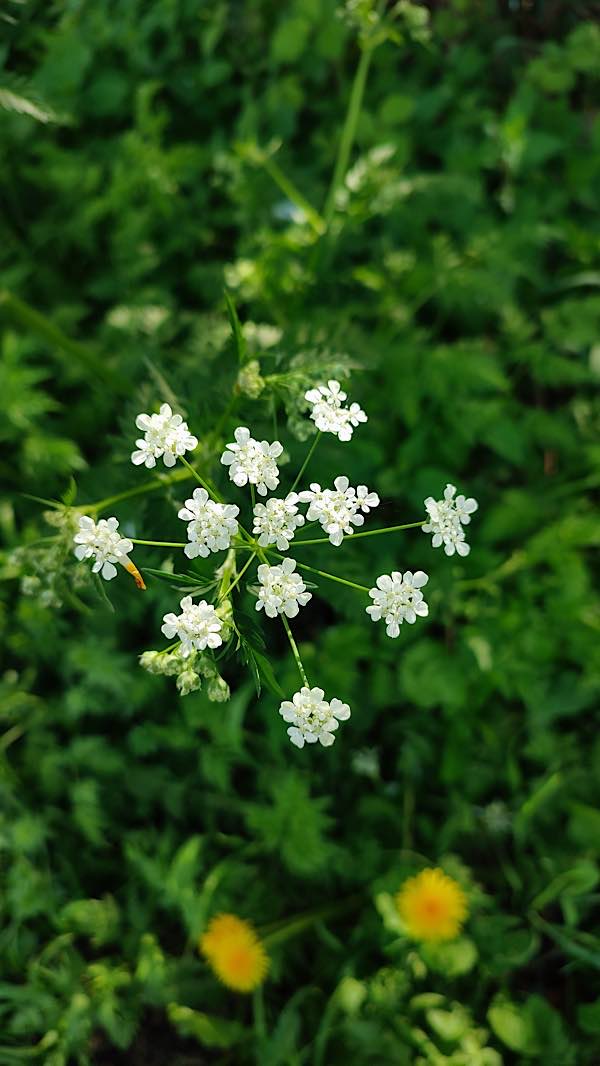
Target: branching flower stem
(323,573)
(160,543)
(365,533)
(226,592)
(295,652)
(212,491)
(307,460)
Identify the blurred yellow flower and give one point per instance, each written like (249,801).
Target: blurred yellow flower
(432,906)
(235,953)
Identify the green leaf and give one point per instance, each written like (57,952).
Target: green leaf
(513,1027)
(453,959)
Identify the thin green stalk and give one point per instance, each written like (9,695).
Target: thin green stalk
(212,491)
(160,543)
(288,927)
(293,193)
(307,460)
(295,651)
(258,1013)
(239,577)
(348,132)
(366,533)
(253,497)
(323,573)
(139,490)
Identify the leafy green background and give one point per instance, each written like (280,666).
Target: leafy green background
(153,153)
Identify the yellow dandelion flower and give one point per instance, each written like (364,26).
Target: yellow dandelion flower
(235,953)
(432,906)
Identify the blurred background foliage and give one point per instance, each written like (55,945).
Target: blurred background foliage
(153,153)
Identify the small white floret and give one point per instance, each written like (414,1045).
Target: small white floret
(211,525)
(397,598)
(252,462)
(166,436)
(312,717)
(282,591)
(446,520)
(101,541)
(197,627)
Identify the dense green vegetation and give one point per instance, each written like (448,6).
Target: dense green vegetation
(438,237)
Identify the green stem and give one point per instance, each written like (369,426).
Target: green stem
(239,577)
(323,573)
(367,533)
(293,193)
(307,460)
(212,491)
(295,651)
(348,132)
(253,497)
(280,931)
(139,490)
(258,1011)
(161,543)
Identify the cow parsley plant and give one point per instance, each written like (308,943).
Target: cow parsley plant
(216,525)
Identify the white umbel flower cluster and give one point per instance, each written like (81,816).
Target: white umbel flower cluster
(338,509)
(446,520)
(211,525)
(276,521)
(328,412)
(282,591)
(166,435)
(397,599)
(252,461)
(102,541)
(197,627)
(313,717)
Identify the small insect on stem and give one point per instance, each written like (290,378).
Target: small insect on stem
(132,569)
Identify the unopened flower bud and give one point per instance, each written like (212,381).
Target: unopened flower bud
(218,690)
(249,380)
(188,681)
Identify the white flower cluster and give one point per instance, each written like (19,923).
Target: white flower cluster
(328,412)
(101,541)
(282,591)
(166,435)
(446,520)
(313,717)
(276,521)
(252,461)
(211,525)
(397,598)
(197,627)
(338,509)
